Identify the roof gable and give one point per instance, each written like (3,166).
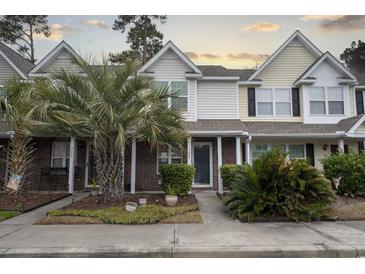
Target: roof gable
(296,39)
(60,51)
(330,59)
(17,62)
(169,46)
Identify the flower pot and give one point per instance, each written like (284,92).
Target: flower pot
(130,206)
(171,200)
(142,201)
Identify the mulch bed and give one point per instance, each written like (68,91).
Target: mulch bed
(96,202)
(34,200)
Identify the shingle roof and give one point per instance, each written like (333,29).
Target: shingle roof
(272,128)
(23,64)
(220,71)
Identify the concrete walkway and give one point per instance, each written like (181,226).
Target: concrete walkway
(218,236)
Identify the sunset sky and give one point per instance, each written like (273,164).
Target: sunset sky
(232,41)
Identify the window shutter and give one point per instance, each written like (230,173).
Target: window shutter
(295,101)
(251,102)
(359,102)
(361,146)
(310,153)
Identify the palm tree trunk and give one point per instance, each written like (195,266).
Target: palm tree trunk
(110,172)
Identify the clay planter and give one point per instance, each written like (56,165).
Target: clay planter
(171,200)
(130,206)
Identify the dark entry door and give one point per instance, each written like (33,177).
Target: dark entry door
(203,164)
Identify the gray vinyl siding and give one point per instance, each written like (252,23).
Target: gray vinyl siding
(62,61)
(217,100)
(169,67)
(6,70)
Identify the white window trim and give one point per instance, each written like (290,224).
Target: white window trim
(187,93)
(269,147)
(64,159)
(273,102)
(169,158)
(326,101)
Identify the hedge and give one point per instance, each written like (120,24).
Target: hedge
(177,177)
(228,172)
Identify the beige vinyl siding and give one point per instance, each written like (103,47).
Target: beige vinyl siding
(6,70)
(169,67)
(63,60)
(243,109)
(352,102)
(287,66)
(217,100)
(320,153)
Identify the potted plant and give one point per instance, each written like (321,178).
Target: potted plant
(94,188)
(170,197)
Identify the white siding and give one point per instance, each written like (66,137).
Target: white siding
(63,60)
(217,100)
(6,70)
(190,114)
(169,67)
(288,65)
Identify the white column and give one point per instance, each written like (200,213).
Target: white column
(219,151)
(71,168)
(238,151)
(133,166)
(248,150)
(188,151)
(341,146)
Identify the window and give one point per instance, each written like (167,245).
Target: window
(61,154)
(326,101)
(274,101)
(180,88)
(294,150)
(168,155)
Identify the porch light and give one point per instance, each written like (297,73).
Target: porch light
(325,147)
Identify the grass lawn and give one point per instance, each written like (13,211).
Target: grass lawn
(90,210)
(4,215)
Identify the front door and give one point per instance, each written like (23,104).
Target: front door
(202,159)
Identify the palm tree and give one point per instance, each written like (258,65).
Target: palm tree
(108,106)
(14,110)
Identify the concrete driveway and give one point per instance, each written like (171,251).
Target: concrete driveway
(218,236)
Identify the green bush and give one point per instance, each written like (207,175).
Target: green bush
(177,178)
(277,187)
(228,172)
(350,168)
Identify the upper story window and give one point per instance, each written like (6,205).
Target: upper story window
(180,102)
(274,101)
(326,101)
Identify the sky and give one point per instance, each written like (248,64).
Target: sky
(231,41)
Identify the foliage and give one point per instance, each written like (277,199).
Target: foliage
(177,178)
(109,107)
(354,57)
(144,38)
(350,168)
(4,215)
(21,30)
(228,172)
(147,214)
(276,186)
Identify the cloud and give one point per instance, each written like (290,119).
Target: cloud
(248,56)
(95,23)
(319,17)
(262,26)
(58,32)
(343,23)
(244,57)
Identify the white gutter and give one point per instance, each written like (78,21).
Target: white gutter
(221,78)
(218,132)
(250,83)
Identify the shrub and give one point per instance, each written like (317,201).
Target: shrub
(228,172)
(350,168)
(276,186)
(177,178)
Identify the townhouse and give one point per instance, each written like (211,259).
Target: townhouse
(301,100)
